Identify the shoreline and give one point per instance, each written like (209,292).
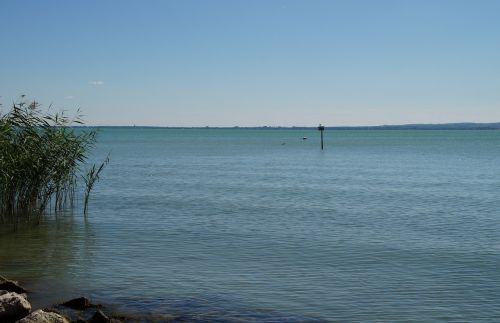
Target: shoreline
(83,309)
(15,307)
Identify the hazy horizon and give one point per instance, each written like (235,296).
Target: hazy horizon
(252,63)
(458,124)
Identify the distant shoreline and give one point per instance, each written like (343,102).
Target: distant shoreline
(442,126)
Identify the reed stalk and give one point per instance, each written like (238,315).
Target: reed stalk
(41,159)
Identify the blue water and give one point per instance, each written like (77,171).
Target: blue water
(260,225)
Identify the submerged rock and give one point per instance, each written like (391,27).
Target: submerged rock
(82,310)
(80,303)
(13,306)
(11,286)
(99,317)
(41,316)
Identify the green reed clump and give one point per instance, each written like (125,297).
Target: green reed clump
(41,156)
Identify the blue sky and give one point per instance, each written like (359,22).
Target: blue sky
(252,63)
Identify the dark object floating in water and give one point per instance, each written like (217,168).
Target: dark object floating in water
(304,138)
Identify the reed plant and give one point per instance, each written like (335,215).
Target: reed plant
(42,157)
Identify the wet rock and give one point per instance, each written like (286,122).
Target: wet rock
(75,315)
(80,303)
(99,317)
(11,286)
(41,316)
(13,306)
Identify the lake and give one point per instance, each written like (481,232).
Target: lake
(263,226)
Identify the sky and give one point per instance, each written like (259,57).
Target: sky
(255,62)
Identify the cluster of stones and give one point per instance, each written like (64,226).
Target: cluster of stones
(15,308)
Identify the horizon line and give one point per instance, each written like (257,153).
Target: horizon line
(453,125)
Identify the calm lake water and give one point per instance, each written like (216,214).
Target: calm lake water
(260,225)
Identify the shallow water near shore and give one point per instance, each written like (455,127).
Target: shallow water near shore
(260,225)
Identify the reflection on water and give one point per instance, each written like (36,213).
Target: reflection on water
(44,253)
(51,256)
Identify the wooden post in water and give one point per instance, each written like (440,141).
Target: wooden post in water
(321,129)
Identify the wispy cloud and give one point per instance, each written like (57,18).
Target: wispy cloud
(96,82)
(69,97)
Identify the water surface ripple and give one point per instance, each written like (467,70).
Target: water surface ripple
(260,225)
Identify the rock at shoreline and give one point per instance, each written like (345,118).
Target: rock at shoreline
(80,303)
(41,316)
(99,317)
(11,286)
(13,306)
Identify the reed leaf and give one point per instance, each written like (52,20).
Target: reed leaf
(41,157)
